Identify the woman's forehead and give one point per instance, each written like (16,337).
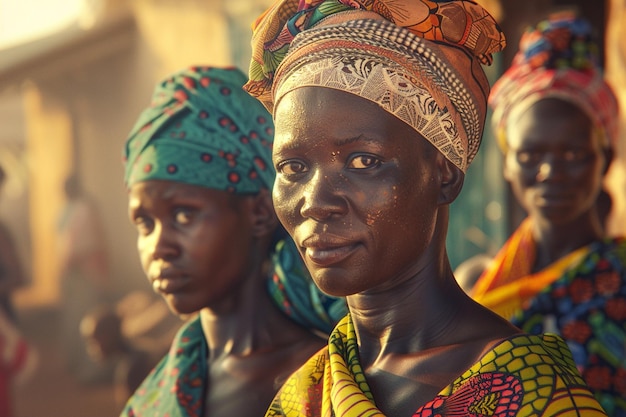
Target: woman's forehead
(309,105)
(548,119)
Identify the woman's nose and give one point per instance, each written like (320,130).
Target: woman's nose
(544,171)
(550,168)
(163,243)
(323,197)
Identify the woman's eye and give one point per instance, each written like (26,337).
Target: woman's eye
(291,167)
(528,157)
(183,216)
(364,162)
(142,224)
(574,155)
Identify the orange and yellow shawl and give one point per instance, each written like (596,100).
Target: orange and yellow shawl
(521,376)
(507,284)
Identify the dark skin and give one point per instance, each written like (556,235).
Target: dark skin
(206,251)
(555,164)
(366,200)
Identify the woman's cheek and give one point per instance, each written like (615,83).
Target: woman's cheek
(285,205)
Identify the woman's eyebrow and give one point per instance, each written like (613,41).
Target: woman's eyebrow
(359,138)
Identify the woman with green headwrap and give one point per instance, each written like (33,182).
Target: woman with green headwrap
(379,107)
(198,172)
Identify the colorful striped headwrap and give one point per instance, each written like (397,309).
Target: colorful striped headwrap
(419,60)
(203,129)
(556,59)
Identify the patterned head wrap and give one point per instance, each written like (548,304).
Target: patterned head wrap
(557,59)
(203,129)
(419,60)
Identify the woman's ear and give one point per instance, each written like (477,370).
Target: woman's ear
(263,217)
(507,172)
(608,158)
(451,182)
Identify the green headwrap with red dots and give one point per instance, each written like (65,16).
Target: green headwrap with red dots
(202,128)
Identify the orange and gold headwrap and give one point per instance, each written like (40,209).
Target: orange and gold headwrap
(556,59)
(419,60)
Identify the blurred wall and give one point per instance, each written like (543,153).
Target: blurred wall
(615,48)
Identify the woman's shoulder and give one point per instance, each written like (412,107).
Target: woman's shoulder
(536,372)
(310,373)
(530,350)
(608,254)
(176,384)
(610,245)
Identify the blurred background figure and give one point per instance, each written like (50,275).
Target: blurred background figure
(84,275)
(468,271)
(147,320)
(199,171)
(18,360)
(556,120)
(11,271)
(129,359)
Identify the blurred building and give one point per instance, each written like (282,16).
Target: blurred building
(68,100)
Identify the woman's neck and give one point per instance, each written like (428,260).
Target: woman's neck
(553,241)
(415,314)
(246,322)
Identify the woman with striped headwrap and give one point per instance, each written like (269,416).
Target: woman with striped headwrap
(556,120)
(198,172)
(379,107)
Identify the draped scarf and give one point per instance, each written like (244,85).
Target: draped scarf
(503,382)
(508,282)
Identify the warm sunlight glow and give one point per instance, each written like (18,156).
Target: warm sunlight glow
(27,20)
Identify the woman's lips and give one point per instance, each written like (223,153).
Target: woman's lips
(326,256)
(554,199)
(168,285)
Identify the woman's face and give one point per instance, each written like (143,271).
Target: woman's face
(554,162)
(193,242)
(356,188)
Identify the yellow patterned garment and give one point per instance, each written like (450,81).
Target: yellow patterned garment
(521,376)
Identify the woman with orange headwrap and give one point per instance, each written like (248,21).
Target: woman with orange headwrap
(379,107)
(556,120)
